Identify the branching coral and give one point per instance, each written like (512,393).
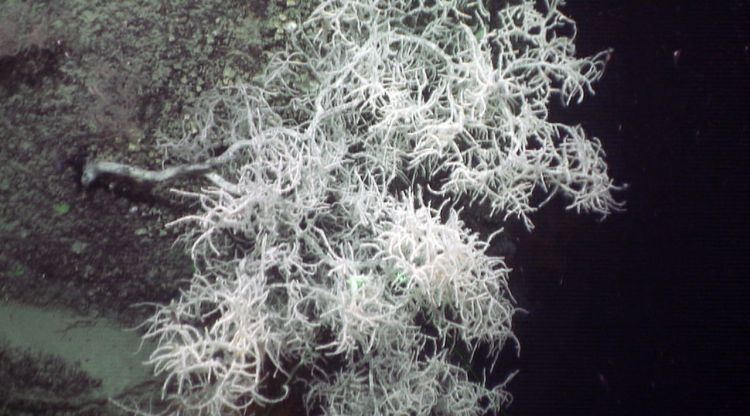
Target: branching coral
(305,253)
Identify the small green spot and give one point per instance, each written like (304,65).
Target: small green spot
(61,208)
(401,278)
(78,247)
(17,271)
(357,281)
(479,34)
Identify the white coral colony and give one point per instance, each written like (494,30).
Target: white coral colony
(310,267)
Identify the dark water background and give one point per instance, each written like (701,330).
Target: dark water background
(648,312)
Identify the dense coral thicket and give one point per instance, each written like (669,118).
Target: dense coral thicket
(310,267)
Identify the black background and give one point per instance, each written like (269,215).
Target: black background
(648,312)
